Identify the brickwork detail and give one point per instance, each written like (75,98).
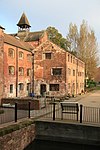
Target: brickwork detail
(19,139)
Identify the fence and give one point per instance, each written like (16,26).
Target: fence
(50,111)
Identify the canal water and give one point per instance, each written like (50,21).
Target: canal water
(51,145)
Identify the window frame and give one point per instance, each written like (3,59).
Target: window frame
(21,55)
(73,72)
(21,86)
(28,72)
(11,72)
(48,55)
(29,57)
(11,52)
(52,88)
(11,88)
(56,71)
(21,71)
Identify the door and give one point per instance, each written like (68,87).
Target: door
(42,89)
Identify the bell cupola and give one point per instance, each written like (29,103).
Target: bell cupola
(23,24)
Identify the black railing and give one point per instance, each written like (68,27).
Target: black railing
(52,110)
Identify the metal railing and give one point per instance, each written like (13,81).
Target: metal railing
(51,111)
(91,114)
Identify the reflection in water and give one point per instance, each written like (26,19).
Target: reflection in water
(51,145)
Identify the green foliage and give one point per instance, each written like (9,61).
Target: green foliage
(91,83)
(57,38)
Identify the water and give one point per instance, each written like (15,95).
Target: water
(52,145)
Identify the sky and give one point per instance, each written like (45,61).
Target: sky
(56,13)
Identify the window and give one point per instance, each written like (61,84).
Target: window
(11,70)
(21,71)
(21,86)
(73,72)
(21,55)
(68,57)
(54,87)
(56,71)
(11,88)
(28,72)
(28,86)
(71,59)
(11,52)
(29,58)
(47,55)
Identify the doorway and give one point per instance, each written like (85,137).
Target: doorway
(42,89)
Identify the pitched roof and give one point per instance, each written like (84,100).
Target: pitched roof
(33,36)
(2,27)
(16,42)
(29,36)
(23,21)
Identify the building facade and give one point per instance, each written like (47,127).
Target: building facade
(31,63)
(56,71)
(16,67)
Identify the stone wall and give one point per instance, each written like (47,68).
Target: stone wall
(18,139)
(68,132)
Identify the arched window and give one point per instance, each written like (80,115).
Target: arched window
(11,52)
(11,70)
(21,71)
(21,55)
(29,57)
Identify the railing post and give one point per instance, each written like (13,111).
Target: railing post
(77,111)
(81,113)
(15,112)
(53,110)
(29,104)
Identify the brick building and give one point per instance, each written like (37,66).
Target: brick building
(30,62)
(16,65)
(57,71)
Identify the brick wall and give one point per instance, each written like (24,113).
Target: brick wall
(18,139)
(23,103)
(43,68)
(11,79)
(1,62)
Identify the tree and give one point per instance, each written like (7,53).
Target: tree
(88,49)
(84,45)
(72,37)
(57,38)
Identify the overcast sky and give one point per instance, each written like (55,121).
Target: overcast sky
(56,13)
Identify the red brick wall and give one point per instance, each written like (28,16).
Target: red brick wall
(18,139)
(41,40)
(43,67)
(1,63)
(11,79)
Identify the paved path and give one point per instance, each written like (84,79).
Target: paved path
(92,99)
